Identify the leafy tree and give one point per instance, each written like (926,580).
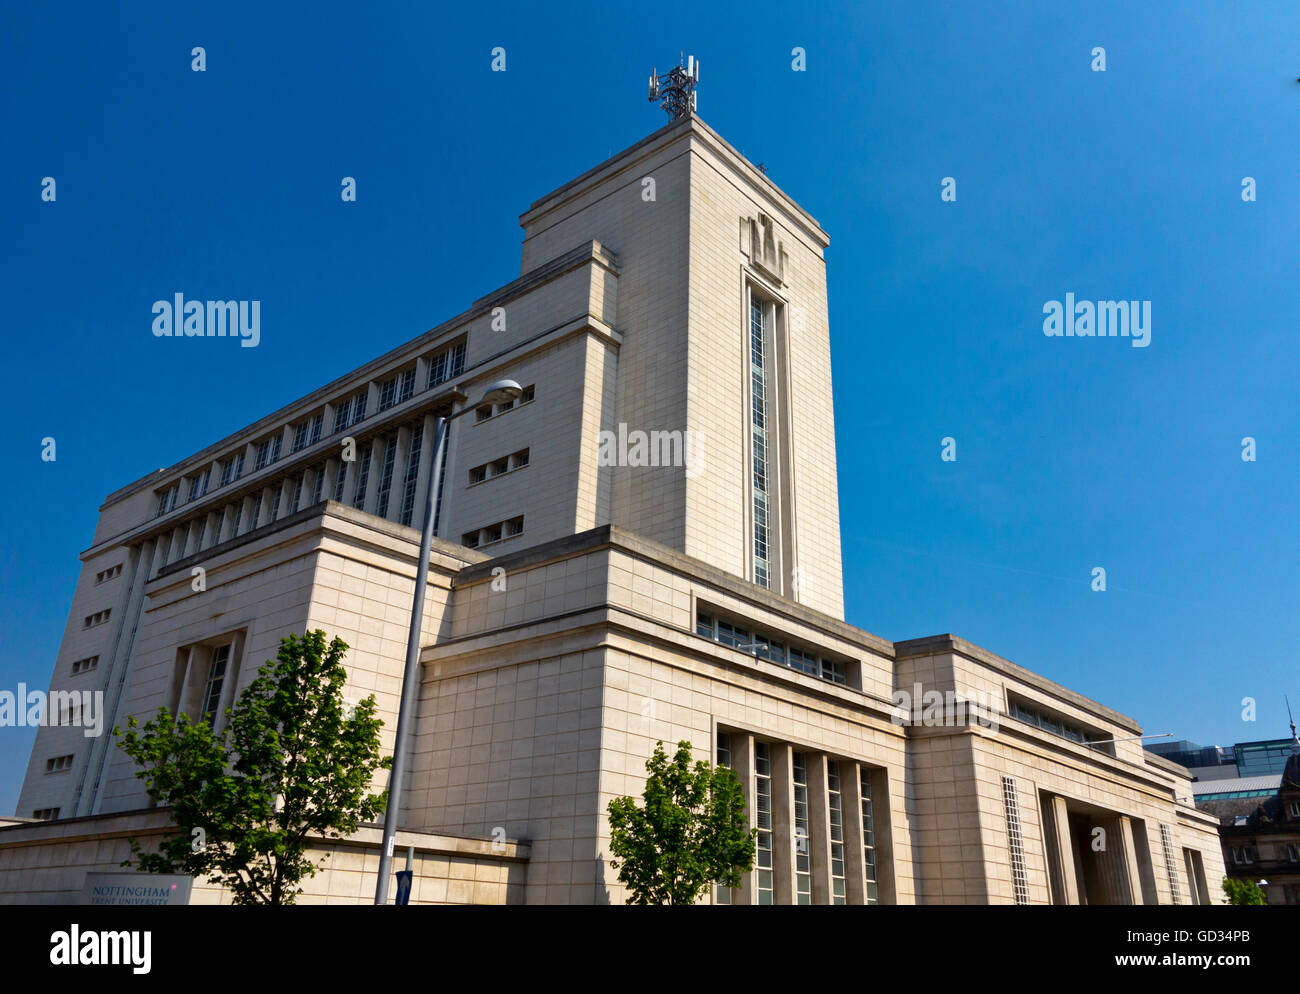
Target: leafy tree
(290,762)
(1243,891)
(691,831)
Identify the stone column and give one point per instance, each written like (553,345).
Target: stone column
(819,829)
(372,478)
(1063,845)
(426,462)
(783,841)
(742,761)
(1132,875)
(855,879)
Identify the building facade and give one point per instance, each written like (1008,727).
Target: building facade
(643,547)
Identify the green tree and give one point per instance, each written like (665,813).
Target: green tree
(291,762)
(691,831)
(1243,891)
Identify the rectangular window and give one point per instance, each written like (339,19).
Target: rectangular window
(349,412)
(1015,840)
(1293,808)
(85,665)
(59,764)
(837,831)
(386,476)
(489,411)
(268,452)
(255,514)
(340,480)
(729,634)
(446,365)
(45,814)
(199,484)
(802,851)
(869,839)
(317,483)
(98,618)
(363,477)
(1171,869)
(232,469)
(704,625)
(108,574)
(167,499)
(759,439)
(295,494)
(275,504)
(442,489)
(388,394)
(216,680)
(763,821)
(406,388)
(498,467)
(308,433)
(411,478)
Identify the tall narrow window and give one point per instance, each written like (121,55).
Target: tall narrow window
(1015,840)
(1171,869)
(216,680)
(386,476)
(802,865)
(442,475)
(363,477)
(869,839)
(340,480)
(317,483)
(412,477)
(837,831)
(295,494)
(763,819)
(759,434)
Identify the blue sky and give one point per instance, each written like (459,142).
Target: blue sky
(1071,453)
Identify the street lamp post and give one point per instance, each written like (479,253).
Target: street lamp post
(497,393)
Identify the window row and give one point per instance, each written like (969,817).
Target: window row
(45,814)
(59,764)
(443,366)
(491,534)
(1058,725)
(108,574)
(98,618)
(771,649)
(800,794)
(492,410)
(498,467)
(85,665)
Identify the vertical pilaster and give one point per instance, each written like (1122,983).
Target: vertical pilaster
(819,834)
(783,841)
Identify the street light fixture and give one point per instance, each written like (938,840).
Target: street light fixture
(497,393)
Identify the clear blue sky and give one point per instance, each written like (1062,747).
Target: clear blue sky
(1072,453)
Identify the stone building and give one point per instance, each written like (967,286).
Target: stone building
(645,546)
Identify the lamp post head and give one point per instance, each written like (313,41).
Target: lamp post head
(500,392)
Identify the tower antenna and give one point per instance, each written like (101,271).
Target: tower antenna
(675,89)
